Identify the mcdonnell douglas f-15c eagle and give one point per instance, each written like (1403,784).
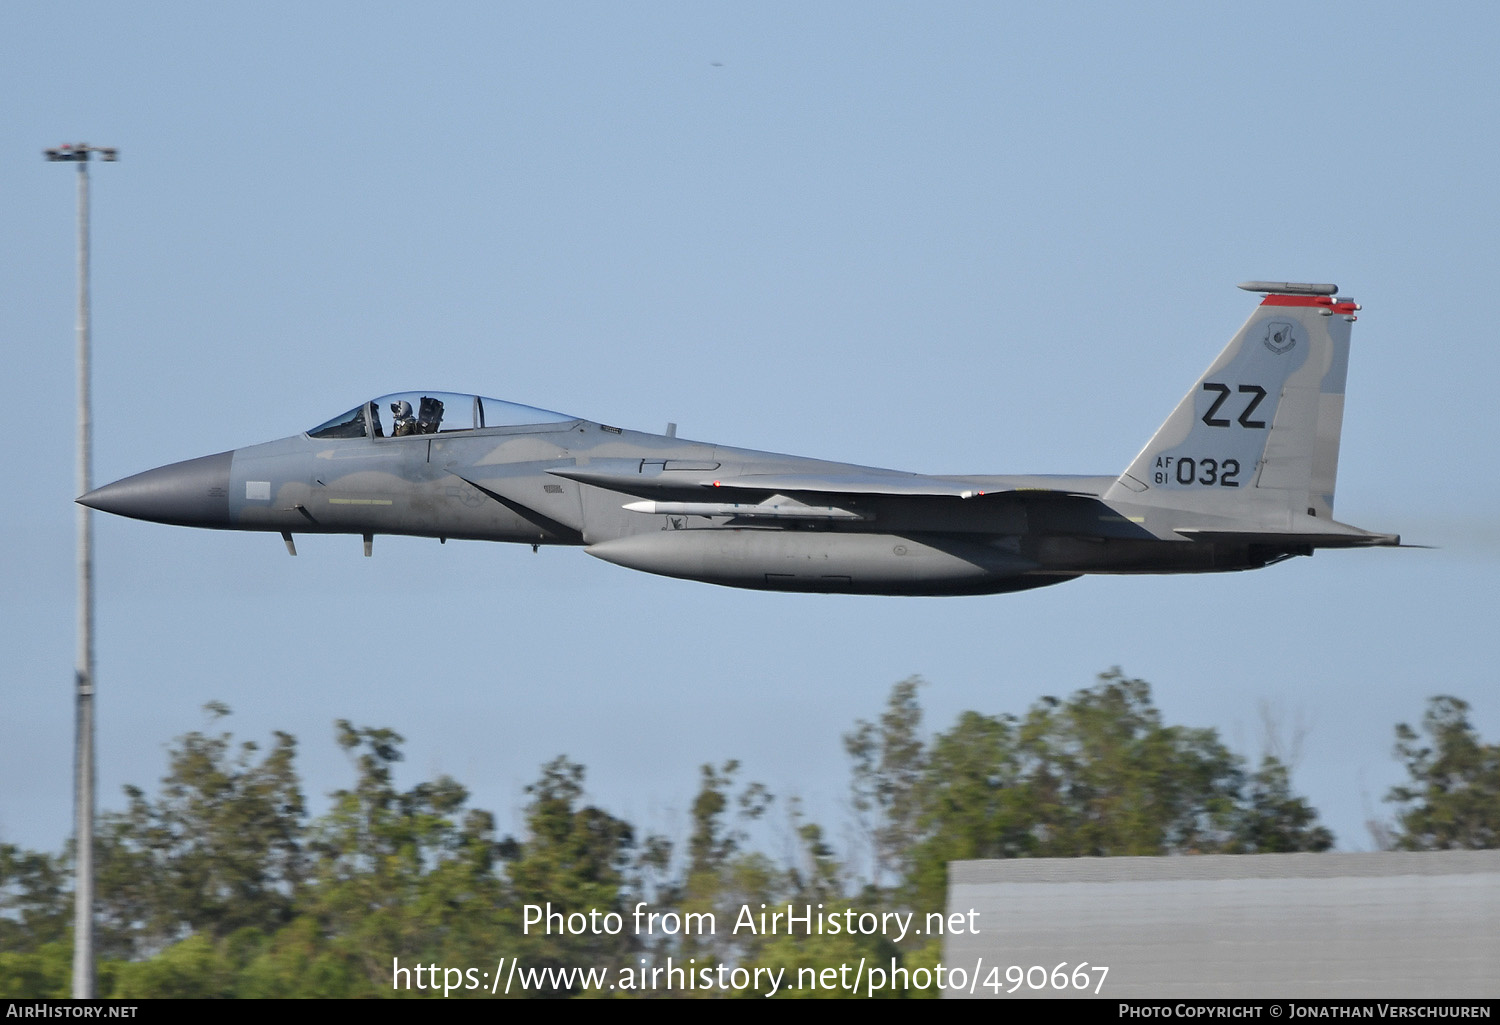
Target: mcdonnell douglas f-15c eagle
(1241,475)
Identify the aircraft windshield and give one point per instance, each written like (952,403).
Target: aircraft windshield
(415,413)
(345,425)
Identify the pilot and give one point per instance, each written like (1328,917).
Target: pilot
(404,423)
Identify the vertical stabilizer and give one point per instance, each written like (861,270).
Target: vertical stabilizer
(1257,437)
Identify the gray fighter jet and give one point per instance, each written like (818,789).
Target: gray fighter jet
(1241,475)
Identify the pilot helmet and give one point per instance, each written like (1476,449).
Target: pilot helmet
(402,408)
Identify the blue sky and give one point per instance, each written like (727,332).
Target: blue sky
(954,238)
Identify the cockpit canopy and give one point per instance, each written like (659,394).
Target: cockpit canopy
(432,412)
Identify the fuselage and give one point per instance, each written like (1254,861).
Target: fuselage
(1240,475)
(507,483)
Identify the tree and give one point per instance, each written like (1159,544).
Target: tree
(36,909)
(400,874)
(888,764)
(740,886)
(714,841)
(219,886)
(1453,798)
(219,850)
(1273,820)
(35,904)
(572,860)
(720,874)
(1129,785)
(975,799)
(1096,775)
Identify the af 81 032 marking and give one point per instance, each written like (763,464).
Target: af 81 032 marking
(1188,470)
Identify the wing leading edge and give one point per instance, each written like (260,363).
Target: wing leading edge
(865,483)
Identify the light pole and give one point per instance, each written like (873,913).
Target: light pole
(83,766)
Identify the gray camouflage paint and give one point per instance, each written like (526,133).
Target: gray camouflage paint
(1241,475)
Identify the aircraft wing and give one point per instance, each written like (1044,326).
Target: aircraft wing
(870,482)
(1353,538)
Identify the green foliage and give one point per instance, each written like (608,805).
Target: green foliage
(815,874)
(34,906)
(301,960)
(219,850)
(1272,820)
(975,800)
(1121,784)
(574,860)
(1453,797)
(44,971)
(725,878)
(719,876)
(192,969)
(219,886)
(399,874)
(888,766)
(714,840)
(1096,775)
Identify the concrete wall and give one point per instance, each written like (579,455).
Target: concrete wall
(1269,925)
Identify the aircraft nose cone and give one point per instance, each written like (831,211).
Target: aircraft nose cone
(192,493)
